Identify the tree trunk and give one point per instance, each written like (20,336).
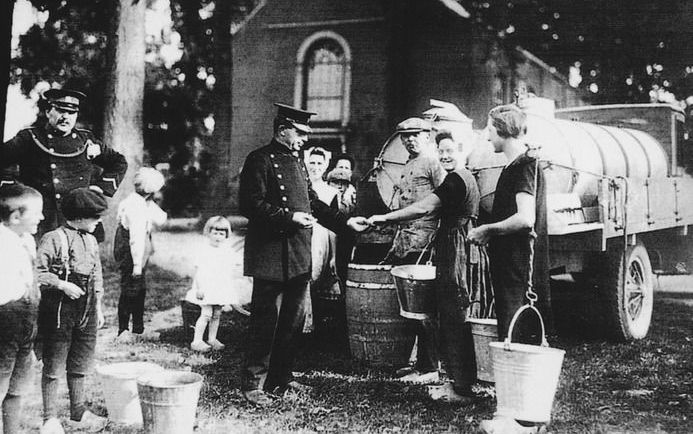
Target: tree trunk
(218,200)
(124,97)
(6,11)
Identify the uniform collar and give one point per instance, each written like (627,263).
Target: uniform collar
(279,148)
(56,133)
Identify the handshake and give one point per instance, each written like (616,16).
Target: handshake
(358,224)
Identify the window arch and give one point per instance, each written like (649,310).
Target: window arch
(501,90)
(323,78)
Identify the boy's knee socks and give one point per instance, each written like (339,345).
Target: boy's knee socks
(75,385)
(49,392)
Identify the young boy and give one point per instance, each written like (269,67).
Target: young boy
(70,312)
(340,179)
(132,247)
(20,214)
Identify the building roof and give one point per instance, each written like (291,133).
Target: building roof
(452,5)
(237,27)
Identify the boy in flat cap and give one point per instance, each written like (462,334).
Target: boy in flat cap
(70,312)
(57,157)
(276,196)
(421,175)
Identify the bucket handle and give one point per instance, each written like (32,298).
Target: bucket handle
(429,247)
(508,339)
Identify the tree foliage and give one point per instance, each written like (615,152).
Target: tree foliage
(625,52)
(69,50)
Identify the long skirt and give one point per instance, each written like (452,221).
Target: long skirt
(462,288)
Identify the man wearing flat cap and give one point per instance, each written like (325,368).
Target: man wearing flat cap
(421,174)
(276,196)
(57,158)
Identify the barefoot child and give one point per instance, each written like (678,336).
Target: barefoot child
(20,213)
(132,247)
(215,283)
(70,312)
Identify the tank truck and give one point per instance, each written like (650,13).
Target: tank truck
(619,196)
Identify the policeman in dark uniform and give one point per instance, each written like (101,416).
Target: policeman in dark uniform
(276,196)
(58,158)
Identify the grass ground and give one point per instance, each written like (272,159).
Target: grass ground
(640,387)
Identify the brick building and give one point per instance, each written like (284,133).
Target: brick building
(364,65)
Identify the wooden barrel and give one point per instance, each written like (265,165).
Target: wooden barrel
(378,335)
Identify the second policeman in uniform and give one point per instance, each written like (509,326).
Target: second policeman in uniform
(58,158)
(276,196)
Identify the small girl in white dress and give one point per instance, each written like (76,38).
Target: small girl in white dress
(216,284)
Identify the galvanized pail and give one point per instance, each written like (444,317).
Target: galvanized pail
(169,401)
(484,331)
(415,290)
(526,376)
(120,389)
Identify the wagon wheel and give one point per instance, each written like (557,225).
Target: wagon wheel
(628,303)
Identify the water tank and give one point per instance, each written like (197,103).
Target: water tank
(581,152)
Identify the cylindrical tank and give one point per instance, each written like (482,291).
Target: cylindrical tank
(581,153)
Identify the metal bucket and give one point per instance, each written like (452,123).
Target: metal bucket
(169,401)
(526,376)
(378,335)
(484,331)
(415,290)
(120,389)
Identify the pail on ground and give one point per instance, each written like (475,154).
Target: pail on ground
(526,376)
(378,335)
(169,401)
(484,331)
(415,290)
(120,389)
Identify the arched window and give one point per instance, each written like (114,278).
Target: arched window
(501,91)
(323,78)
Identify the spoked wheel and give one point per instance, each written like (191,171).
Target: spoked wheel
(628,296)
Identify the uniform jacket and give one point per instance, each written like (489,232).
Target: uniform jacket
(273,185)
(55,165)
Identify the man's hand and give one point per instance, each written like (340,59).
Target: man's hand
(199,294)
(359,224)
(376,220)
(480,235)
(303,219)
(70,289)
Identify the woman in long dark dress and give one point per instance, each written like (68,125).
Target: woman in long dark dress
(461,268)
